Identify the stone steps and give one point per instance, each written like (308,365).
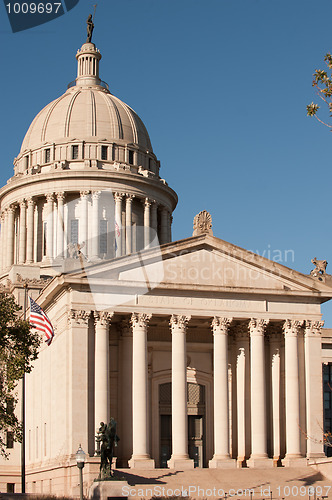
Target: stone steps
(277,483)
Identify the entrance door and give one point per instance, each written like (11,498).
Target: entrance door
(195,439)
(165,439)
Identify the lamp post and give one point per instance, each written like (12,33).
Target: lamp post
(80,460)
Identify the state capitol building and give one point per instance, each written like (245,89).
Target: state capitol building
(206,354)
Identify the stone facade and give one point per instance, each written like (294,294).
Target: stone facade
(206,354)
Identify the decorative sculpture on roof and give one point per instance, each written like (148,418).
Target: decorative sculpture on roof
(89,28)
(320,269)
(203,224)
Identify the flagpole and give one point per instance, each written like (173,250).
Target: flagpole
(25,286)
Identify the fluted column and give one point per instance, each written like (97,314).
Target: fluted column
(102,372)
(50,225)
(95,225)
(275,394)
(10,234)
(314,389)
(129,203)
(118,229)
(242,363)
(22,233)
(30,230)
(154,224)
(221,457)
(164,226)
(60,225)
(180,459)
(141,457)
(147,206)
(83,229)
(292,392)
(126,367)
(259,455)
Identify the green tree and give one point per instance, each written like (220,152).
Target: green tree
(323,84)
(18,349)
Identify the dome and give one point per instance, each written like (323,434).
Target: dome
(87,111)
(87,114)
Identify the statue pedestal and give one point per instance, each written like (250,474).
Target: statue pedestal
(102,490)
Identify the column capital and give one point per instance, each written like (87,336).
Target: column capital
(95,195)
(125,328)
(179,322)
(118,196)
(257,326)
(50,197)
(313,328)
(22,204)
(147,202)
(78,316)
(221,325)
(129,198)
(140,319)
(30,201)
(103,317)
(292,328)
(11,209)
(60,196)
(84,194)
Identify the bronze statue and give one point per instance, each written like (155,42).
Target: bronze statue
(89,28)
(108,438)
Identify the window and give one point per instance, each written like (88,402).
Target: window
(74,231)
(103,237)
(47,155)
(131,157)
(104,152)
(74,152)
(10,487)
(9,439)
(26,162)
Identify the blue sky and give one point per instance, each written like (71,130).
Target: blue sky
(222,87)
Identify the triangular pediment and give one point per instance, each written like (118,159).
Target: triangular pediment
(205,262)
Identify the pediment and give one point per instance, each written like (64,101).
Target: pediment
(205,262)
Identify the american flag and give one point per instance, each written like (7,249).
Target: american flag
(39,320)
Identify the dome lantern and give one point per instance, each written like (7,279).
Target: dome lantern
(88,58)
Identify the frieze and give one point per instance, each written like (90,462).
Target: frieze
(33,281)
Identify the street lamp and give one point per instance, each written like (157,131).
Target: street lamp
(80,459)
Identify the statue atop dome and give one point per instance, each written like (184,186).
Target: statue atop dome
(89,28)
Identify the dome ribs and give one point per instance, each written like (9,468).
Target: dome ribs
(49,112)
(69,111)
(93,115)
(115,117)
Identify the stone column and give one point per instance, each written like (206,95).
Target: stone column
(275,395)
(259,457)
(102,371)
(129,203)
(314,389)
(10,234)
(141,457)
(60,225)
(30,230)
(50,225)
(22,233)
(180,459)
(292,394)
(83,229)
(147,206)
(221,457)
(164,226)
(118,229)
(77,360)
(95,226)
(154,224)
(126,365)
(241,379)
